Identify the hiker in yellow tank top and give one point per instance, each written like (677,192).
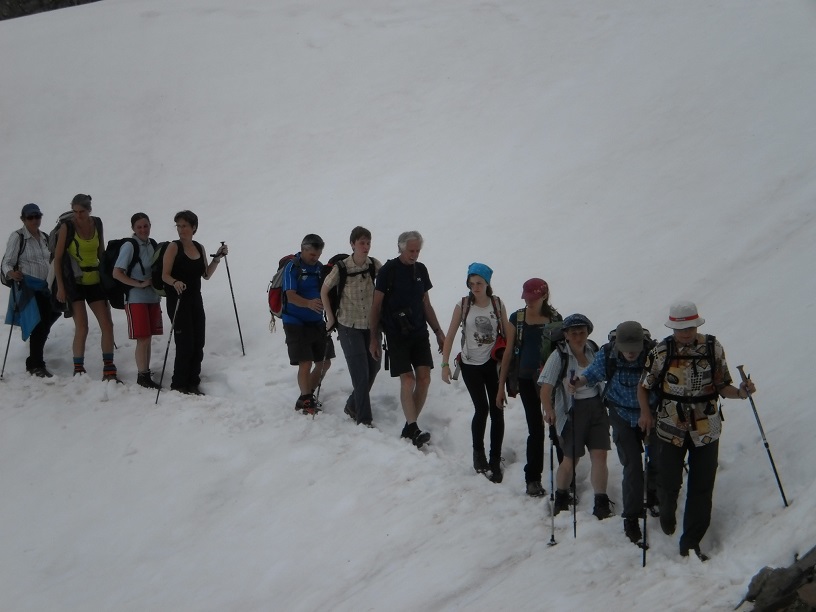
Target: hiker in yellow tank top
(86,254)
(86,247)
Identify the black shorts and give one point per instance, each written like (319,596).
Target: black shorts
(591,424)
(308,343)
(89,293)
(405,353)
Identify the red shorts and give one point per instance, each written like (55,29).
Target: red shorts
(144,320)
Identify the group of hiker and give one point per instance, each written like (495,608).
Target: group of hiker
(659,398)
(64,273)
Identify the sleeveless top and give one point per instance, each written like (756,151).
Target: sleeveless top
(189,271)
(86,254)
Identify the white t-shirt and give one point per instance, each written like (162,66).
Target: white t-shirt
(480,333)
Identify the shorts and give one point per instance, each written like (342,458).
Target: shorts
(144,320)
(590,423)
(308,343)
(405,353)
(88,293)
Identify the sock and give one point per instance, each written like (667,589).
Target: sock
(108,369)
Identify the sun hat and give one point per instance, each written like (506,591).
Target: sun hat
(577,320)
(30,209)
(534,288)
(683,314)
(629,337)
(479,269)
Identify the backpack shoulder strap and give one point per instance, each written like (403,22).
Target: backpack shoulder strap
(465,306)
(521,314)
(135,257)
(342,272)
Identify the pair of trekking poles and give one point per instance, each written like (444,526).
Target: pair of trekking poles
(646,463)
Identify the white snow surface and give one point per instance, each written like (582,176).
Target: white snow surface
(630,153)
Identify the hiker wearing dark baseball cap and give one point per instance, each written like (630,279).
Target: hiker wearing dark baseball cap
(25,269)
(689,374)
(619,363)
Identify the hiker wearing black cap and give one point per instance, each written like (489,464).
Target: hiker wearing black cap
(403,307)
(483,319)
(310,348)
(619,363)
(580,418)
(689,373)
(25,269)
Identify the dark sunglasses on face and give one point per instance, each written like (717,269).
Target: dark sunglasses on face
(32,217)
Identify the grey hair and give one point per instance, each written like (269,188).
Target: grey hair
(404,237)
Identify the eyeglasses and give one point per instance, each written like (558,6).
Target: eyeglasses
(32,217)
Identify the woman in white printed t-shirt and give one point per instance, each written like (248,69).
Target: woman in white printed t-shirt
(483,319)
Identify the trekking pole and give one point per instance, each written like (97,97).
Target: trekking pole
(234,306)
(11,329)
(645,500)
(745,379)
(167,350)
(552,541)
(322,368)
(574,486)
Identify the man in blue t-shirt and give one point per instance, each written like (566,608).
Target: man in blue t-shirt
(310,347)
(403,310)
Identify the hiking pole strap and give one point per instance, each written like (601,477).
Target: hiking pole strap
(762,433)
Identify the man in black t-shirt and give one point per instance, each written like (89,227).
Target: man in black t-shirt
(403,310)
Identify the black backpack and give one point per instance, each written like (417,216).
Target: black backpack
(116,291)
(157,263)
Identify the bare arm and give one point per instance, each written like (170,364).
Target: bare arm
(374,323)
(447,346)
(430,316)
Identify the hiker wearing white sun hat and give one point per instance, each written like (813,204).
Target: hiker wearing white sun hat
(689,373)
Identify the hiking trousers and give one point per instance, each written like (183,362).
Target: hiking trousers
(482,382)
(702,469)
(36,341)
(362,368)
(628,443)
(190,324)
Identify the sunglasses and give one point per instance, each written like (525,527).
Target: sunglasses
(32,217)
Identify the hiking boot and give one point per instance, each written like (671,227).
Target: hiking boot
(420,438)
(480,461)
(684,552)
(534,489)
(143,379)
(561,502)
(668,524)
(602,506)
(307,405)
(194,390)
(496,474)
(40,372)
(109,377)
(349,410)
(180,389)
(631,528)
(79,370)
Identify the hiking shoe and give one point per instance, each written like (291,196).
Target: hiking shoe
(602,506)
(561,502)
(145,380)
(496,474)
(180,389)
(420,438)
(480,463)
(108,377)
(631,528)
(79,370)
(194,390)
(534,489)
(667,523)
(349,410)
(40,372)
(684,552)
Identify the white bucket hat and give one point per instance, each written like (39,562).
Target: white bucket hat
(683,315)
